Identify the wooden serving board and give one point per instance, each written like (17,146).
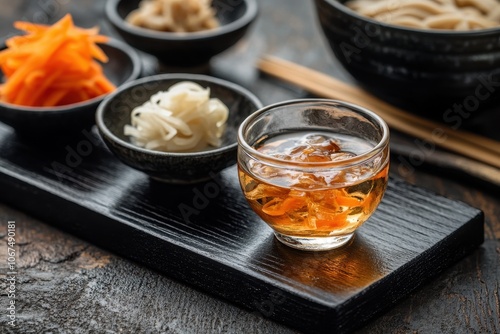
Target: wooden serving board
(206,235)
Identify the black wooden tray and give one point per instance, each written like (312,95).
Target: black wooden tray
(206,235)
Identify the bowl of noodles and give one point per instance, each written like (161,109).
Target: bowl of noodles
(176,128)
(438,58)
(182,32)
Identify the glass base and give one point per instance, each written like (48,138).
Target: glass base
(314,244)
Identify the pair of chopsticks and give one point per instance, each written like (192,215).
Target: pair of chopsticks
(465,143)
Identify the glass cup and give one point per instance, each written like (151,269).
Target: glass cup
(313,169)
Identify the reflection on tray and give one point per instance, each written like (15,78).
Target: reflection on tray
(340,272)
(203,212)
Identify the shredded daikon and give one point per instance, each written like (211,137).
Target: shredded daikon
(182,119)
(174,15)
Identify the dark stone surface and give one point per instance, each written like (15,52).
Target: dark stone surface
(68,286)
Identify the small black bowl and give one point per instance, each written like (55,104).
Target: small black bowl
(442,74)
(173,167)
(40,122)
(185,49)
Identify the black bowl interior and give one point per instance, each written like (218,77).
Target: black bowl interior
(117,114)
(123,65)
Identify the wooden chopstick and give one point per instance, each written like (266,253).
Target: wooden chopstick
(466,143)
(451,162)
(269,63)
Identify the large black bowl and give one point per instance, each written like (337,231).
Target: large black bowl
(446,75)
(40,122)
(185,49)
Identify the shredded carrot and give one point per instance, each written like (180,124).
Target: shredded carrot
(346,200)
(274,207)
(336,222)
(293,203)
(53,65)
(278,207)
(382,174)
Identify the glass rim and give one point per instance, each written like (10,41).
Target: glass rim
(356,160)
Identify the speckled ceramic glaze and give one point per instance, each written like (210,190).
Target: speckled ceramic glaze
(123,65)
(187,49)
(114,113)
(427,71)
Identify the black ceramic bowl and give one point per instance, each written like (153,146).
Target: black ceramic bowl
(186,49)
(171,167)
(447,75)
(123,65)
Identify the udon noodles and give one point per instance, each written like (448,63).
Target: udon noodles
(182,119)
(174,15)
(432,14)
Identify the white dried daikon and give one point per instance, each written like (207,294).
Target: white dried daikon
(182,119)
(174,15)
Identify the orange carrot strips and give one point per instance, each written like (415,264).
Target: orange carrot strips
(293,204)
(345,200)
(274,207)
(336,222)
(53,65)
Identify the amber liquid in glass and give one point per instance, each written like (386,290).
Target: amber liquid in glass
(310,204)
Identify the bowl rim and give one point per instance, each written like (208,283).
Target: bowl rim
(106,132)
(342,164)
(249,15)
(431,32)
(113,43)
